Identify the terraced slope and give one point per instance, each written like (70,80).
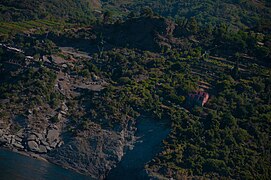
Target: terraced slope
(12,10)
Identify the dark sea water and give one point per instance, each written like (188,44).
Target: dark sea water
(151,134)
(14,166)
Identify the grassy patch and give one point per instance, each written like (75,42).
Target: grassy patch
(8,28)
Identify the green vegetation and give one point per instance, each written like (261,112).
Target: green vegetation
(242,14)
(150,65)
(228,138)
(72,11)
(31,16)
(41,26)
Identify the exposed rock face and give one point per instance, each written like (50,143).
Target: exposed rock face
(52,136)
(42,149)
(94,151)
(30,140)
(33,146)
(18,145)
(32,137)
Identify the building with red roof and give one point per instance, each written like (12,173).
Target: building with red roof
(198,98)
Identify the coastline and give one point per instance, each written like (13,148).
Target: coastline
(25,153)
(40,158)
(33,167)
(130,136)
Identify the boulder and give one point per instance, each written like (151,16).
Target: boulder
(8,138)
(60,144)
(33,146)
(18,145)
(64,107)
(42,149)
(18,139)
(48,148)
(63,112)
(30,111)
(32,137)
(20,134)
(52,135)
(44,143)
(53,145)
(59,116)
(38,135)
(54,127)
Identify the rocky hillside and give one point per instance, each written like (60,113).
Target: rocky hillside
(51,116)
(73,95)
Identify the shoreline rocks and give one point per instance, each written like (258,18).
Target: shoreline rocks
(94,151)
(32,141)
(33,146)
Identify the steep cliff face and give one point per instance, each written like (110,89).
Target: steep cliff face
(94,151)
(44,129)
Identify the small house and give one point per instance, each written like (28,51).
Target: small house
(198,98)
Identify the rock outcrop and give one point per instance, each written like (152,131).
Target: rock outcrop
(33,146)
(32,141)
(94,151)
